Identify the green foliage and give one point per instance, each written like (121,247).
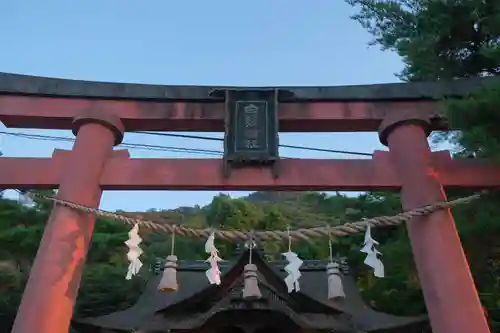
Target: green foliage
(478,119)
(447,40)
(436,39)
(105,290)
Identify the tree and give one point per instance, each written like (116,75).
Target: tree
(273,219)
(105,290)
(440,39)
(451,39)
(446,40)
(220,211)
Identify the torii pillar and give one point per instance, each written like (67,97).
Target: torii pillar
(52,288)
(450,294)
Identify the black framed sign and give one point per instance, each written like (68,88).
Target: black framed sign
(251,126)
(251,121)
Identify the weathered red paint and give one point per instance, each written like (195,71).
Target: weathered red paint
(124,173)
(58,113)
(50,294)
(449,291)
(48,301)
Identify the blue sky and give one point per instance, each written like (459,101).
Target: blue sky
(218,42)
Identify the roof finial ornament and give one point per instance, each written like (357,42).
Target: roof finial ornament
(168,282)
(251,289)
(293,266)
(250,244)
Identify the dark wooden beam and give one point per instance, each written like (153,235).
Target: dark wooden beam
(38,102)
(58,113)
(16,84)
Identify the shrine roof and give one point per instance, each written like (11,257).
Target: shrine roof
(54,87)
(194,289)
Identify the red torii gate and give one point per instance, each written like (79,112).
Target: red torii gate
(99,113)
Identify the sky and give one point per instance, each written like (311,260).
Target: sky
(191,42)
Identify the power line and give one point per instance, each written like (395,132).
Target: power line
(199,137)
(125,144)
(172,148)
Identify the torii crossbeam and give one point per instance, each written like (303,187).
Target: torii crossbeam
(99,113)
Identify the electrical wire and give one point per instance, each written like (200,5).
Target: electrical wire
(170,148)
(124,145)
(190,136)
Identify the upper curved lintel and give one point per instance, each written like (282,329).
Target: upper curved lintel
(44,86)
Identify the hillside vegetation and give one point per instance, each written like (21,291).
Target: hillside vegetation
(105,290)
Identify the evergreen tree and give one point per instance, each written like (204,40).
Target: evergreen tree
(444,40)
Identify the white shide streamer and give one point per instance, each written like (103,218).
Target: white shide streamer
(372,254)
(293,270)
(213,273)
(134,252)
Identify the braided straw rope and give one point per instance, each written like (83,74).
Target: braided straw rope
(297,234)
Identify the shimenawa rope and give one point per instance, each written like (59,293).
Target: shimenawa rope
(297,234)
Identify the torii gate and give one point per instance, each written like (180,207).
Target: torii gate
(99,113)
